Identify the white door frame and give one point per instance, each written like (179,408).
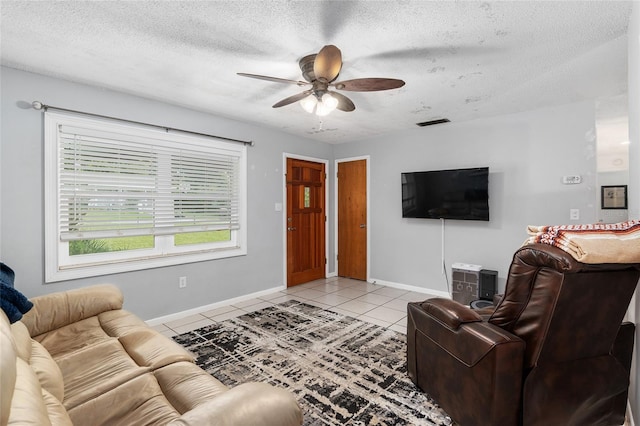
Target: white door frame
(367,159)
(285,157)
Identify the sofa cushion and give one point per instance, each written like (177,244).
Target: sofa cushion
(151,349)
(8,356)
(48,372)
(115,347)
(28,406)
(22,340)
(95,370)
(139,401)
(34,354)
(186,385)
(56,310)
(55,410)
(64,340)
(120,322)
(246,404)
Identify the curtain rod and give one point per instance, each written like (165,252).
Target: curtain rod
(37,105)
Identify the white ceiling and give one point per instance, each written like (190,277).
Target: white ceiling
(460,60)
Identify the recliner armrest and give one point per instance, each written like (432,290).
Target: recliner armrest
(459,332)
(450,312)
(486,362)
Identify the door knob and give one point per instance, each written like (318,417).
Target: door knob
(362,225)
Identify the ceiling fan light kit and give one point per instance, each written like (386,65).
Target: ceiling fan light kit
(320,71)
(309,103)
(320,106)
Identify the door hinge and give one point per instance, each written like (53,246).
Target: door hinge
(325,260)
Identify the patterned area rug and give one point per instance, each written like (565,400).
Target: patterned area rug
(343,371)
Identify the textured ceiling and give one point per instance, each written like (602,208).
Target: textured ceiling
(460,60)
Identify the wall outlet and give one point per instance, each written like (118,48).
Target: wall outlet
(574,214)
(182,282)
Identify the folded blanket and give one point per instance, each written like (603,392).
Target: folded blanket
(6,275)
(593,243)
(12,302)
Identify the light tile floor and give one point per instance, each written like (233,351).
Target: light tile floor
(380,305)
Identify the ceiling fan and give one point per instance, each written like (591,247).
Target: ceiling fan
(320,72)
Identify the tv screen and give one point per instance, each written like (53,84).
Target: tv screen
(461,194)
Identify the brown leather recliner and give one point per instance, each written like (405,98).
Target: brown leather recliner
(553,352)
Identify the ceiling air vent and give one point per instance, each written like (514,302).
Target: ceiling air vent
(432,122)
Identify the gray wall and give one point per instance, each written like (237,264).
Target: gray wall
(528,153)
(149,293)
(634,181)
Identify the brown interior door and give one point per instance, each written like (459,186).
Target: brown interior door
(306,218)
(352,219)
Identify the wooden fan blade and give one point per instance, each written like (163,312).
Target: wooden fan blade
(274,79)
(344,103)
(328,63)
(292,99)
(368,84)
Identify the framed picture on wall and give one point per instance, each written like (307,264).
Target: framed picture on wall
(614,196)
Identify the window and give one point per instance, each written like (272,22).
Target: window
(122,197)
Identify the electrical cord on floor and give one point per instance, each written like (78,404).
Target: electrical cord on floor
(446,277)
(444,263)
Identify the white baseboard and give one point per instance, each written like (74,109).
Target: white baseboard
(400,286)
(205,308)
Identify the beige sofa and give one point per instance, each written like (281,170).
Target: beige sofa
(78,358)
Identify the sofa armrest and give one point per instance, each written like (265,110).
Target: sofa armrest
(450,312)
(55,310)
(247,404)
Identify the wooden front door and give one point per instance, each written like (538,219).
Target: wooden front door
(306,218)
(352,219)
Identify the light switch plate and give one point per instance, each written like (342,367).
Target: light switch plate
(571,180)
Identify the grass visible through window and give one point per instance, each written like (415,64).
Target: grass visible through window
(143,242)
(110,244)
(202,237)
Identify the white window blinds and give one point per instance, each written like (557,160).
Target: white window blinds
(116,183)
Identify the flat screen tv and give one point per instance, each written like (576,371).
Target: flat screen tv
(461,194)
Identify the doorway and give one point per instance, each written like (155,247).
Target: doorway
(352,213)
(305,221)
